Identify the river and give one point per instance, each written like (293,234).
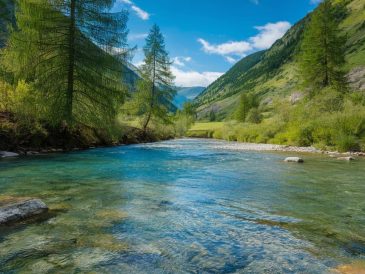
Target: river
(185,206)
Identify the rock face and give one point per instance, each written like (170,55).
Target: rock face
(294,160)
(296,97)
(357,78)
(6,154)
(15,209)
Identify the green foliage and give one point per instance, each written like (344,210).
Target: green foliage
(212,116)
(6,19)
(306,124)
(154,92)
(248,109)
(184,119)
(254,116)
(323,50)
(57,47)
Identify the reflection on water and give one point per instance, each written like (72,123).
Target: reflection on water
(185,206)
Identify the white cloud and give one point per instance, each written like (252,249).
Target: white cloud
(193,78)
(256,2)
(144,15)
(141,13)
(267,36)
(181,61)
(137,36)
(231,60)
(229,48)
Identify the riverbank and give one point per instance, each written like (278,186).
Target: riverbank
(227,131)
(233,145)
(30,138)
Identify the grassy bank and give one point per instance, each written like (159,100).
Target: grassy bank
(22,136)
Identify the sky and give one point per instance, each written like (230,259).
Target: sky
(205,38)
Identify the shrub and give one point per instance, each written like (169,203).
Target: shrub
(346,143)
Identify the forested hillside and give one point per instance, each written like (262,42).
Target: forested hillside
(307,89)
(274,72)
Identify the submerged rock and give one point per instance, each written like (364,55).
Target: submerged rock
(7,154)
(13,210)
(294,160)
(354,268)
(346,158)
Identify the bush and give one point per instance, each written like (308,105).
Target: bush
(254,116)
(346,143)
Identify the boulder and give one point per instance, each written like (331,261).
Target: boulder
(296,97)
(6,154)
(346,158)
(294,160)
(14,210)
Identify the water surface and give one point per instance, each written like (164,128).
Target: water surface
(185,206)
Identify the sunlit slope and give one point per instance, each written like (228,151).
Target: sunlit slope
(274,73)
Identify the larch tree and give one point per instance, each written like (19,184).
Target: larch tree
(322,50)
(73,52)
(155,91)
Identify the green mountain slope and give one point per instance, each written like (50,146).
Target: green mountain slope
(273,73)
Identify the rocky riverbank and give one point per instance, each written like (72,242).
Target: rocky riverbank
(284,148)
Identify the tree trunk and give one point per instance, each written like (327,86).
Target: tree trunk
(71,64)
(152,95)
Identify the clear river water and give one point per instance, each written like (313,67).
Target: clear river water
(185,206)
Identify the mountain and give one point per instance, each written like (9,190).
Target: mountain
(185,94)
(273,73)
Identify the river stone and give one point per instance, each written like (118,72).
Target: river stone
(346,158)
(294,160)
(15,210)
(7,154)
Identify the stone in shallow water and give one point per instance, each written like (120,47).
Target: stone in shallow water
(294,160)
(7,154)
(17,209)
(346,158)
(354,268)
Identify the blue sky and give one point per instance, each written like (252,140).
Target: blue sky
(206,37)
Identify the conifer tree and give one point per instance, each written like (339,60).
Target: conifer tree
(72,50)
(155,93)
(322,50)
(246,103)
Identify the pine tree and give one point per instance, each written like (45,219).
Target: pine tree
(73,52)
(322,50)
(246,103)
(155,93)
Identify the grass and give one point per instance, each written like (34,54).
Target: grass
(207,126)
(204,129)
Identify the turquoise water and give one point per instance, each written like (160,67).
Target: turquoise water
(185,206)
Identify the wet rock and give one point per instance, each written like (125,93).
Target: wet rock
(354,268)
(346,158)
(7,154)
(294,160)
(13,210)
